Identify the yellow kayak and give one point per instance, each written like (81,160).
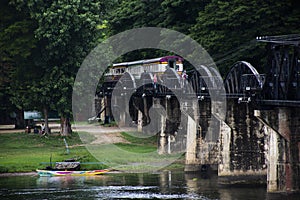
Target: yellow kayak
(71,173)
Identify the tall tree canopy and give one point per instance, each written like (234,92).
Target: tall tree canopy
(178,15)
(17,44)
(43,45)
(227,29)
(66,32)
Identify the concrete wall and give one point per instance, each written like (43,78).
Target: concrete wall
(282,125)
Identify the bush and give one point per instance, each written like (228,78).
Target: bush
(3,169)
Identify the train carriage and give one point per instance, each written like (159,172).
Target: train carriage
(136,68)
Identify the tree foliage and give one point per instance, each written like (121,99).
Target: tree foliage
(17,44)
(43,44)
(227,29)
(178,15)
(65,32)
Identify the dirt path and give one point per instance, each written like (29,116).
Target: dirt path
(104,135)
(2,131)
(10,128)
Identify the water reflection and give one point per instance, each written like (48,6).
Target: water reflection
(69,181)
(163,185)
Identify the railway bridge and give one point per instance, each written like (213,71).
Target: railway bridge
(250,133)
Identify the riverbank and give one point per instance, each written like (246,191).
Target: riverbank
(22,152)
(36,174)
(18,174)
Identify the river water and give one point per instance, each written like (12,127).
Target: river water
(163,185)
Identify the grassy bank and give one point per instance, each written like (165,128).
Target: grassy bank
(138,155)
(21,152)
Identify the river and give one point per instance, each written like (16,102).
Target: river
(163,185)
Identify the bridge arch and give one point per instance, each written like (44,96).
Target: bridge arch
(119,101)
(171,78)
(127,81)
(245,140)
(198,83)
(241,77)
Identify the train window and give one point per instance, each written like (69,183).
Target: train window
(172,63)
(180,67)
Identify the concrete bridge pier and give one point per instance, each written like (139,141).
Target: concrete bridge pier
(124,111)
(102,107)
(171,136)
(202,148)
(162,146)
(120,110)
(140,121)
(146,119)
(191,158)
(242,143)
(282,127)
(107,113)
(165,134)
(224,147)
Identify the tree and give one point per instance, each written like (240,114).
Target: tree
(65,32)
(178,15)
(17,44)
(227,29)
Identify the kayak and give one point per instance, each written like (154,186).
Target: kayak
(70,173)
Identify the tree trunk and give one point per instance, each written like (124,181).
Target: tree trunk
(47,130)
(20,121)
(65,126)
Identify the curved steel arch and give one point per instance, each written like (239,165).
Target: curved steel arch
(170,75)
(198,83)
(147,75)
(127,80)
(242,76)
(169,81)
(146,79)
(202,83)
(120,95)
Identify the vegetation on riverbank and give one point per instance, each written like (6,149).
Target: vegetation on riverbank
(138,154)
(26,152)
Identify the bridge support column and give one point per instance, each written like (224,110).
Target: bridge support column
(146,117)
(272,174)
(282,128)
(162,137)
(103,107)
(166,132)
(123,111)
(107,117)
(225,137)
(165,144)
(191,160)
(122,121)
(140,121)
(242,153)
